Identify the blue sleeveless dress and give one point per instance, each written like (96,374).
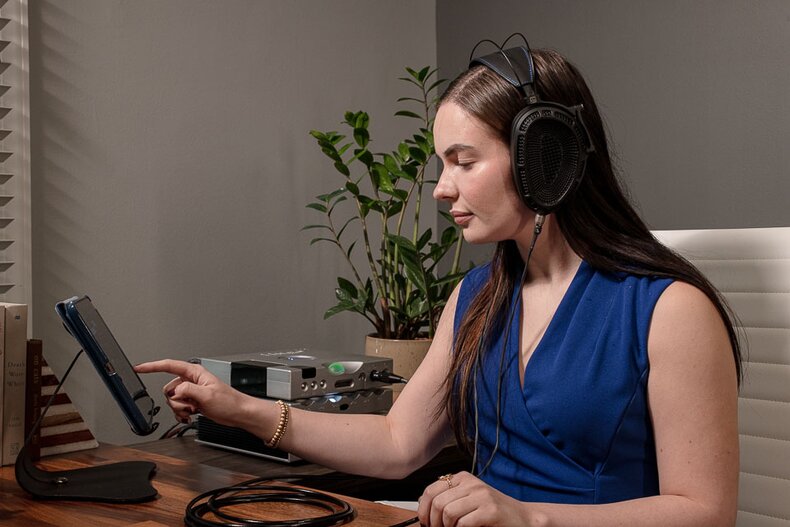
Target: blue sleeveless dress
(579,430)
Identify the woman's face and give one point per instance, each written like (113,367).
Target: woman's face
(476,179)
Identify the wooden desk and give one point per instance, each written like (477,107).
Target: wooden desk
(178,480)
(322,478)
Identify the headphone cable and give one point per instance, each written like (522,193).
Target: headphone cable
(539,219)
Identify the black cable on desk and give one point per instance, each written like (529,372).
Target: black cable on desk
(213,501)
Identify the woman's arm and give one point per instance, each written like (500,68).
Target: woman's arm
(389,446)
(692,395)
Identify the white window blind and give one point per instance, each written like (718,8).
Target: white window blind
(15,231)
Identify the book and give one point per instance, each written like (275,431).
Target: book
(33,395)
(14,342)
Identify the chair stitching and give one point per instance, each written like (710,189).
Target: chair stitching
(766,258)
(766,400)
(765,476)
(765,437)
(766,515)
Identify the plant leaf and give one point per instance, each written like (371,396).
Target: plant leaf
(309,227)
(366,158)
(362,120)
(407,79)
(320,207)
(383,179)
(346,224)
(350,248)
(341,199)
(391,164)
(343,149)
(326,198)
(352,187)
(426,236)
(338,309)
(435,85)
(418,155)
(447,216)
(395,208)
(342,168)
(347,286)
(361,137)
(316,240)
(407,113)
(403,150)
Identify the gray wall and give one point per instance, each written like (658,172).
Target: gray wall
(694,94)
(172,164)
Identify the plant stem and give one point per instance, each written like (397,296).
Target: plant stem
(373,267)
(361,285)
(343,249)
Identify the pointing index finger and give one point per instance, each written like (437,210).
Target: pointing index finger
(175,367)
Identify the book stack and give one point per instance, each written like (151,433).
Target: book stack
(26,383)
(62,429)
(13,352)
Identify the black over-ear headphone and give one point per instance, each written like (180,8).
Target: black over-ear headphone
(549,142)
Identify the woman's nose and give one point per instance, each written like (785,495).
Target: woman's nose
(444,189)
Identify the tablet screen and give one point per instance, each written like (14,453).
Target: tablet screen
(116,357)
(117,364)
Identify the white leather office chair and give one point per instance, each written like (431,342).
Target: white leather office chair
(751,267)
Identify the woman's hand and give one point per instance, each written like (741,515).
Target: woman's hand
(462,500)
(196,390)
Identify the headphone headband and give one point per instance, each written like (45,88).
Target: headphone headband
(514,65)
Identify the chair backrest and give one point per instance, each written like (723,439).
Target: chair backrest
(751,267)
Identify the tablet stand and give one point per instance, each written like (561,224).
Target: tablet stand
(124,482)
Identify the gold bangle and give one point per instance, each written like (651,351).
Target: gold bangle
(282,424)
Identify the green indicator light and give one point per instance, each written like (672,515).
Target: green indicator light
(336,368)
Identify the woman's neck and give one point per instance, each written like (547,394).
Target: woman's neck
(552,259)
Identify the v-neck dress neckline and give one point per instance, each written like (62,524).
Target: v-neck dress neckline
(514,339)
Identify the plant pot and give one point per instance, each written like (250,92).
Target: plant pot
(406,355)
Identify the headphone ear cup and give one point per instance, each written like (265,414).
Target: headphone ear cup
(549,149)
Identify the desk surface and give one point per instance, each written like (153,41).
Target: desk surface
(178,480)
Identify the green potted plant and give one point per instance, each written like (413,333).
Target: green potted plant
(408,272)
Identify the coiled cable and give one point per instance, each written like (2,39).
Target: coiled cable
(252,491)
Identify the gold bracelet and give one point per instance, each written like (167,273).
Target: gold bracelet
(282,424)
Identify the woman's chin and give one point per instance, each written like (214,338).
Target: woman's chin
(476,238)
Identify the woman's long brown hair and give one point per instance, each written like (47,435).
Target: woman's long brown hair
(598,222)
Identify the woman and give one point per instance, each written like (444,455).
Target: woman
(598,387)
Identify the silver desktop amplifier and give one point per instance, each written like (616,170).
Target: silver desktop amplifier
(308,379)
(297,373)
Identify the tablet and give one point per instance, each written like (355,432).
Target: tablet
(85,324)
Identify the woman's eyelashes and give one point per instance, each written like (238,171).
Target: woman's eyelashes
(465,164)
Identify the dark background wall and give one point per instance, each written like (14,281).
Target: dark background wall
(695,94)
(171,161)
(172,164)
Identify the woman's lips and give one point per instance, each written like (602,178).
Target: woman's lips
(462,218)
